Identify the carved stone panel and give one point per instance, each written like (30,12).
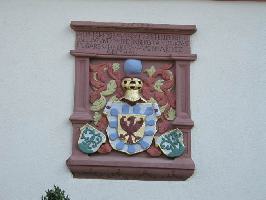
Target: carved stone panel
(100,52)
(126,43)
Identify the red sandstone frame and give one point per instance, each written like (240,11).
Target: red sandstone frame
(116,165)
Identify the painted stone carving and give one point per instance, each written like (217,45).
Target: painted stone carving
(100,52)
(90,139)
(132,121)
(158,86)
(131,128)
(171,143)
(129,120)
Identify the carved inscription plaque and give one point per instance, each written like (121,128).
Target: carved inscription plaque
(156,44)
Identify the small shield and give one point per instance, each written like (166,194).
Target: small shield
(90,139)
(171,143)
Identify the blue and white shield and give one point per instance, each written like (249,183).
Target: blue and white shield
(131,128)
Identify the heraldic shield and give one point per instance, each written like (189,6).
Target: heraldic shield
(131,128)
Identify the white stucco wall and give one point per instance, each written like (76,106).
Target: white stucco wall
(228,95)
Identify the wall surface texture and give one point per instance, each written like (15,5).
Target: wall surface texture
(228,95)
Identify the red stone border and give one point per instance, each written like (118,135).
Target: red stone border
(97,40)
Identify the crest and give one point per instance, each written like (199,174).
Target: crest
(131,128)
(90,139)
(130,121)
(171,143)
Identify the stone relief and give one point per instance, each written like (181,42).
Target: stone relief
(133,43)
(132,109)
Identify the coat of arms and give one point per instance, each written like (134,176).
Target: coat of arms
(132,121)
(131,127)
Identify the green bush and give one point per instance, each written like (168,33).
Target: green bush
(55,194)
